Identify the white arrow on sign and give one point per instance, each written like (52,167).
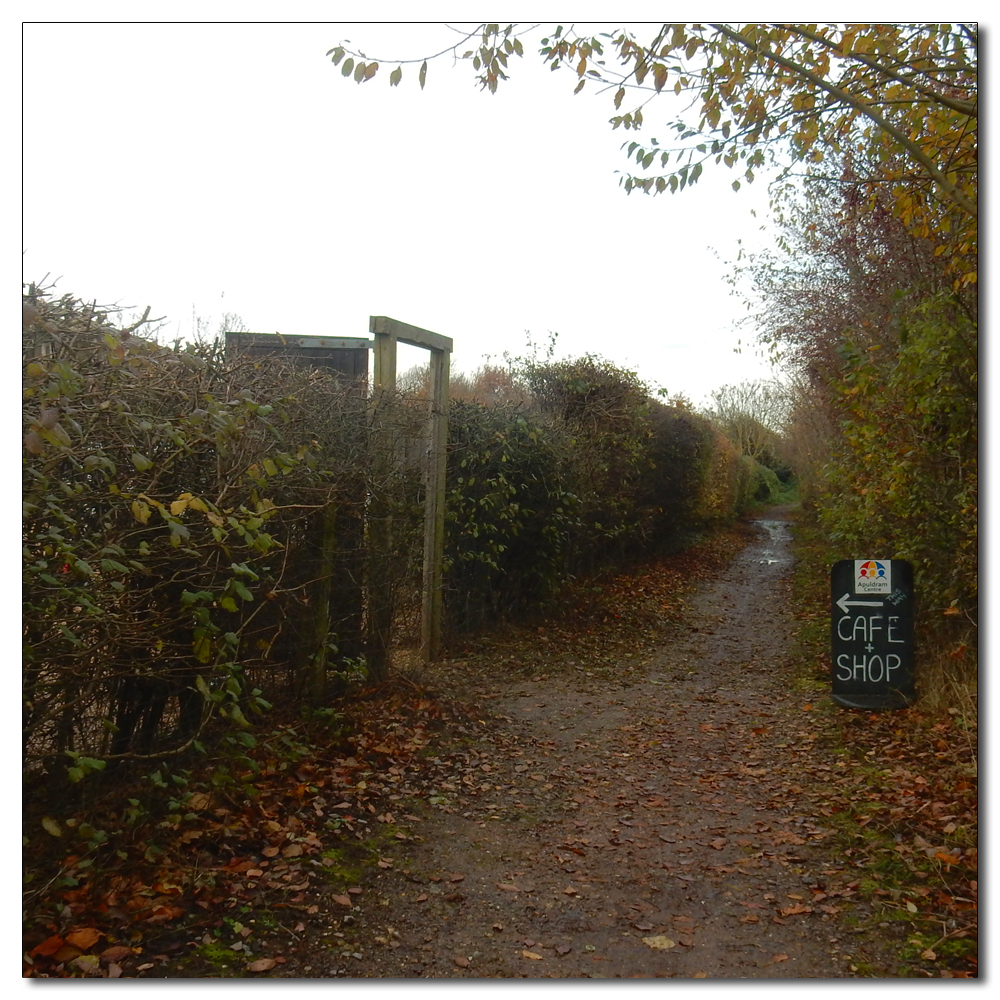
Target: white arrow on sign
(844,604)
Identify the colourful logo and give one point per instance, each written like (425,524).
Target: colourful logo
(871,570)
(872,576)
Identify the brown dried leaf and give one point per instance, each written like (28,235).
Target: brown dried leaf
(262,965)
(49,946)
(661,942)
(115,953)
(84,938)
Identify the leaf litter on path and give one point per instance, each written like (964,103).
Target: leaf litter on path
(659,782)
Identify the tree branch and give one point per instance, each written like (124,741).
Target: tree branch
(862,108)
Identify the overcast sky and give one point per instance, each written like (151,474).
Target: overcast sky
(209,168)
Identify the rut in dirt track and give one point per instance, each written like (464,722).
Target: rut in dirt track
(653,829)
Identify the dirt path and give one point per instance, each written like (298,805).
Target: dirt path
(651,828)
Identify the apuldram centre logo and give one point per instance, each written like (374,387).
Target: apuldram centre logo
(872,576)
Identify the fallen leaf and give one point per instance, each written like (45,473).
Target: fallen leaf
(563,949)
(781,958)
(530,954)
(114,970)
(262,965)
(423,897)
(84,938)
(507,887)
(456,877)
(88,964)
(66,953)
(49,946)
(115,953)
(750,918)
(292,851)
(929,955)
(51,826)
(461,961)
(661,941)
(343,900)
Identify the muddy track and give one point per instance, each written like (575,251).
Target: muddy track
(648,829)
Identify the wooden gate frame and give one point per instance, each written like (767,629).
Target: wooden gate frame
(387,334)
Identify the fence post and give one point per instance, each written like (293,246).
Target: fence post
(380,589)
(387,332)
(431,612)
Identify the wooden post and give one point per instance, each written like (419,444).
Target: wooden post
(430,632)
(320,603)
(387,333)
(380,589)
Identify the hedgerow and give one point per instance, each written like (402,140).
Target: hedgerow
(195,527)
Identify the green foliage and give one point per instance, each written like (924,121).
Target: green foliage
(588,472)
(605,411)
(166,533)
(510,515)
(883,435)
(902,479)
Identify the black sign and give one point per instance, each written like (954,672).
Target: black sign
(872,633)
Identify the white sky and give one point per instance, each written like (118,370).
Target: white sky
(229,167)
